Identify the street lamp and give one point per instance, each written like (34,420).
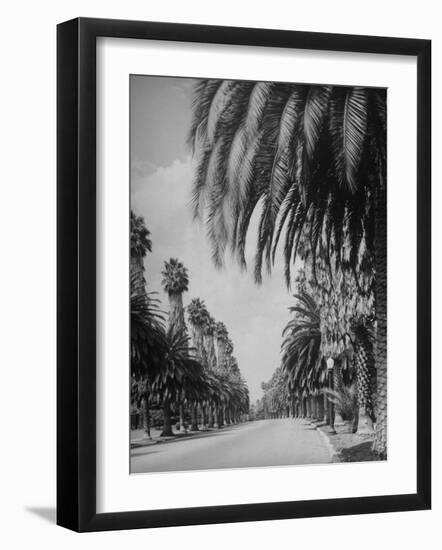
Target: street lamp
(331,408)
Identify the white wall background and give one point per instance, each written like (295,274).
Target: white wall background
(27,275)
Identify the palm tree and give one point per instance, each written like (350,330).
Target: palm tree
(147,344)
(365,374)
(145,315)
(175,282)
(228,363)
(312,161)
(180,371)
(239,402)
(302,360)
(209,328)
(197,313)
(222,345)
(276,394)
(222,337)
(198,316)
(140,243)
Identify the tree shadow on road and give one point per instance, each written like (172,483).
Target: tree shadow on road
(186,437)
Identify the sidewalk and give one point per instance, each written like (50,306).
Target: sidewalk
(347,447)
(139,438)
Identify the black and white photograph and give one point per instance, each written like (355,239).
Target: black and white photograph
(258,259)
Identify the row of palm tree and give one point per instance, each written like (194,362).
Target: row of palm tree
(302,385)
(275,402)
(181,372)
(353,381)
(310,162)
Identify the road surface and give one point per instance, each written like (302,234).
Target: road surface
(262,443)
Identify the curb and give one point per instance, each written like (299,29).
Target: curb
(333,454)
(177,437)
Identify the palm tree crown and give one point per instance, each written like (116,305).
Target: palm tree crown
(198,314)
(175,277)
(140,242)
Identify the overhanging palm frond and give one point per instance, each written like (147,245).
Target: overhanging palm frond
(306,156)
(348,128)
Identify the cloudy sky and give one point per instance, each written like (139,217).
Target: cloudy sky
(161,179)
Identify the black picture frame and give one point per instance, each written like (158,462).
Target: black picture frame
(76,274)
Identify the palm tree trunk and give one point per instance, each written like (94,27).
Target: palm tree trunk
(315,407)
(205,416)
(194,418)
(326,409)
(216,417)
(338,384)
(167,426)
(300,404)
(211,422)
(220,416)
(146,414)
(211,352)
(364,422)
(380,246)
(137,269)
(182,419)
(176,313)
(221,355)
(330,404)
(320,402)
(355,425)
(309,407)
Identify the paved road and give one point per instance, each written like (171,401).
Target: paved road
(260,443)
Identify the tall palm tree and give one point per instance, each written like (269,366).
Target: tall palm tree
(222,344)
(209,341)
(175,282)
(147,345)
(140,243)
(144,330)
(222,337)
(365,374)
(312,161)
(197,314)
(209,328)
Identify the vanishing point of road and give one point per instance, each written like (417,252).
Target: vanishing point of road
(279,442)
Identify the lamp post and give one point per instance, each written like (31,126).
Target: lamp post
(331,407)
